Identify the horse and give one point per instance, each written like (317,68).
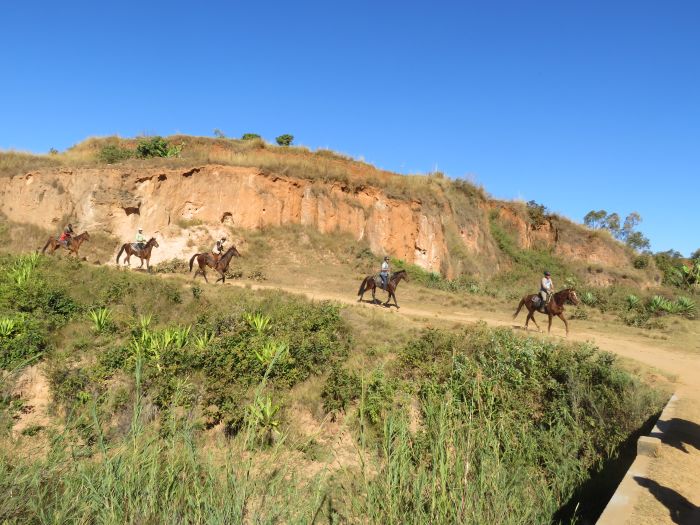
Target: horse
(555,306)
(73,246)
(369,283)
(143,253)
(218,264)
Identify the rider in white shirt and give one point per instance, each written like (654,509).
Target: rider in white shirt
(384,273)
(546,287)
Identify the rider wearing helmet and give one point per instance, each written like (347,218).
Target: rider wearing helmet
(384,273)
(140,239)
(219,248)
(66,235)
(546,287)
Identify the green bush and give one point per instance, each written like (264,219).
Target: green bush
(22,340)
(285,140)
(641,261)
(250,136)
(112,154)
(156,147)
(340,388)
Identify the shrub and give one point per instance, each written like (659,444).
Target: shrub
(22,339)
(340,388)
(157,147)
(641,261)
(537,213)
(588,299)
(285,140)
(111,154)
(250,136)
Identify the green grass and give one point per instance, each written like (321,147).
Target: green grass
(505,428)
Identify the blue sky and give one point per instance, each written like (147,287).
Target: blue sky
(577,105)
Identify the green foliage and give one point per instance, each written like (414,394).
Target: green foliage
(112,153)
(641,261)
(285,140)
(340,388)
(262,417)
(250,136)
(588,298)
(22,340)
(261,323)
(657,304)
(537,213)
(685,306)
(632,301)
(272,352)
(626,233)
(204,340)
(101,319)
(157,147)
(377,396)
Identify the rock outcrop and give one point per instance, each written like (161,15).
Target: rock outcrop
(221,198)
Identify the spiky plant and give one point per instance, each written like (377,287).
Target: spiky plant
(7,326)
(588,299)
(260,323)
(272,351)
(658,304)
(686,306)
(203,340)
(101,318)
(632,301)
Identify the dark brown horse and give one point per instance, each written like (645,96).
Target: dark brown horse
(220,264)
(555,306)
(370,283)
(73,246)
(144,253)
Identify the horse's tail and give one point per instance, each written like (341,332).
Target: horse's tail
(120,252)
(46,245)
(522,302)
(362,286)
(192,260)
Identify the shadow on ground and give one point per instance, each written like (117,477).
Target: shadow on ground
(678,433)
(680,509)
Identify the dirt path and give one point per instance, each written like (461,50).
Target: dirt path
(673,494)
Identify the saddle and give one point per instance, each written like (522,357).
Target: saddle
(135,246)
(539,304)
(378,282)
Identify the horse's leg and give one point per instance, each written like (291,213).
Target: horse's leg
(531,315)
(549,328)
(148,264)
(140,265)
(204,273)
(561,316)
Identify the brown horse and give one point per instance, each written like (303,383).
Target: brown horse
(555,306)
(220,264)
(143,253)
(73,246)
(369,283)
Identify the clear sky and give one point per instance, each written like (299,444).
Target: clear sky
(578,105)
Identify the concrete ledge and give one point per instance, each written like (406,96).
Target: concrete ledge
(622,503)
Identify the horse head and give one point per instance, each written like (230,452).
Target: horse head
(233,251)
(573,297)
(401,274)
(85,236)
(152,242)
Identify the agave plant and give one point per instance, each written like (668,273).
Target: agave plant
(7,326)
(100,318)
(588,298)
(262,414)
(685,306)
(659,304)
(632,301)
(203,340)
(145,322)
(259,322)
(21,274)
(181,335)
(272,351)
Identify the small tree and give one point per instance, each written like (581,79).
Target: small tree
(638,241)
(537,213)
(285,140)
(594,219)
(219,134)
(695,255)
(250,136)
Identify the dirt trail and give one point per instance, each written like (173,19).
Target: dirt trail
(676,498)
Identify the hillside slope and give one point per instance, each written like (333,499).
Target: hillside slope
(438,224)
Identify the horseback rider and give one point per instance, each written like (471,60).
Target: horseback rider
(384,273)
(546,287)
(219,248)
(66,235)
(140,239)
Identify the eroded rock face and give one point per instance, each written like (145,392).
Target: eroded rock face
(118,200)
